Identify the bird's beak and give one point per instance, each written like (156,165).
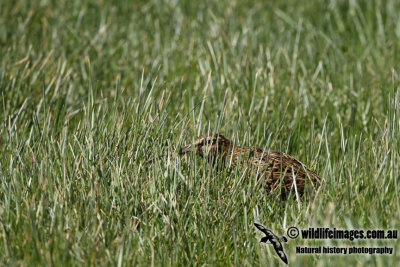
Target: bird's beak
(185,149)
(150,161)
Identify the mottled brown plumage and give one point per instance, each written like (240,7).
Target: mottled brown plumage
(276,169)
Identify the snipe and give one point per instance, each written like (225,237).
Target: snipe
(277,169)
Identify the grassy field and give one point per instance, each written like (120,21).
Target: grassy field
(90,90)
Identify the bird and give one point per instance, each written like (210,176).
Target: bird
(278,170)
(274,240)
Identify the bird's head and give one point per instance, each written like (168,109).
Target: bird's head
(206,145)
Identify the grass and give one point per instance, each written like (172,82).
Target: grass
(91,89)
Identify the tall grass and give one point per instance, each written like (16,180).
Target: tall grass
(92,89)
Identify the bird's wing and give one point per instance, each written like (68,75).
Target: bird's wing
(281,253)
(268,233)
(261,228)
(280,157)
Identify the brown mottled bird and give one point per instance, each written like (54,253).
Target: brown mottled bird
(277,169)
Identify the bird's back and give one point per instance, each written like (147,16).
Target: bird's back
(277,169)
